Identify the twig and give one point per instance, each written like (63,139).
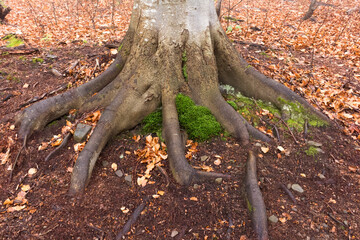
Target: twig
(287,126)
(283,187)
(162,170)
(306,125)
(56,150)
(17,157)
(98,229)
(343,29)
(6,89)
(230,229)
(132,219)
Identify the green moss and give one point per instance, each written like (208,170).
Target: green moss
(249,206)
(197,121)
(13,41)
(297,116)
(152,123)
(120,47)
(233,104)
(184,66)
(312,151)
(37,60)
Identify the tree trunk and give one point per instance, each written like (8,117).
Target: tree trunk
(148,73)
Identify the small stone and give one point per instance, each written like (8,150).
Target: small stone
(218,180)
(297,187)
(321,176)
(121,156)
(325,225)
(319,150)
(105,163)
(174,233)
(273,219)
(258,144)
(288,185)
(119,173)
(81,132)
(313,143)
(346,223)
(51,56)
(204,158)
(128,178)
(196,186)
(56,72)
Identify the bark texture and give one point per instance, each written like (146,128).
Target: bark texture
(147,73)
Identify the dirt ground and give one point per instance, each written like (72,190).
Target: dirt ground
(327,209)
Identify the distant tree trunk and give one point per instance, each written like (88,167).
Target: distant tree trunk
(3,12)
(312,7)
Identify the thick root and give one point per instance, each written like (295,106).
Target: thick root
(126,111)
(255,201)
(183,173)
(233,70)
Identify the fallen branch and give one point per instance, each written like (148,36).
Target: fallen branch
(132,219)
(56,150)
(255,201)
(17,157)
(20,51)
(230,229)
(162,170)
(283,187)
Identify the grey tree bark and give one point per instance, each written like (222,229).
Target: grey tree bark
(148,73)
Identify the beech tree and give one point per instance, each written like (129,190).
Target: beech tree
(147,73)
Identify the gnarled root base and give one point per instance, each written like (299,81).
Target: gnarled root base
(148,72)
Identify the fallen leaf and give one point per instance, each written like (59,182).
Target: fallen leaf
(32,171)
(8,202)
(4,157)
(114,166)
(26,85)
(43,146)
(352,169)
(283,220)
(281,149)
(161,193)
(265,149)
(12,127)
(155,196)
(25,188)
(217,162)
(16,208)
(194,199)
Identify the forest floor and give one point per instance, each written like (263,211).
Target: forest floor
(36,206)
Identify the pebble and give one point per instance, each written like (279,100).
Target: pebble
(321,176)
(119,173)
(273,219)
(174,233)
(204,158)
(313,143)
(105,163)
(128,178)
(81,132)
(297,187)
(218,180)
(196,186)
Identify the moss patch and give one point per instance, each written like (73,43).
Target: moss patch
(197,121)
(184,66)
(312,151)
(12,41)
(297,116)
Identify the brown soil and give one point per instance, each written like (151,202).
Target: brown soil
(328,208)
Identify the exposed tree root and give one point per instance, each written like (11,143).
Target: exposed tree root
(17,158)
(255,200)
(148,71)
(134,216)
(56,150)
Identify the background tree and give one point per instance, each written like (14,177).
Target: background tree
(148,73)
